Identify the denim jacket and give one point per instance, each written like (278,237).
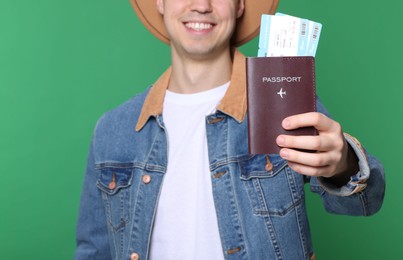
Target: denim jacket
(259,200)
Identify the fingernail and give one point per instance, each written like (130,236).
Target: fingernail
(286,123)
(280,140)
(283,153)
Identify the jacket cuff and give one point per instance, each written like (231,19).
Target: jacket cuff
(358,182)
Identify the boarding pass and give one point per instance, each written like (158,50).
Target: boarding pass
(285,35)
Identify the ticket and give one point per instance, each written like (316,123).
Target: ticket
(285,35)
(303,38)
(313,38)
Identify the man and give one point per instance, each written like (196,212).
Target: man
(169,175)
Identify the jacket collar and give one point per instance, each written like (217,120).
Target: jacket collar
(232,104)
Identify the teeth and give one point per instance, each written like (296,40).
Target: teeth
(198,26)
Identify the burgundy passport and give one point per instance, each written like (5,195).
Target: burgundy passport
(277,87)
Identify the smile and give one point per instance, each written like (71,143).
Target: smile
(198,26)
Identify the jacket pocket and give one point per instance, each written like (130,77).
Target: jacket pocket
(272,187)
(114,184)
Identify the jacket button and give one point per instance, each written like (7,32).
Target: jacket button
(269,166)
(146,179)
(112,184)
(134,256)
(215,120)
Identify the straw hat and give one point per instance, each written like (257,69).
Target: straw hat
(247,26)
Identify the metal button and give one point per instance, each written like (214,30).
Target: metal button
(146,179)
(215,120)
(112,184)
(233,251)
(219,175)
(134,256)
(269,166)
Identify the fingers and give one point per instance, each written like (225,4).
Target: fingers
(329,144)
(314,143)
(324,162)
(317,159)
(317,120)
(311,171)
(312,164)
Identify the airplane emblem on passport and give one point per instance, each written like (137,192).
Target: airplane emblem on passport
(281,93)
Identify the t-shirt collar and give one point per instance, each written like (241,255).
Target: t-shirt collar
(233,103)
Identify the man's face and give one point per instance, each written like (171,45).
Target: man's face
(200,28)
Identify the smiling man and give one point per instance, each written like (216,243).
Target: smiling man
(169,175)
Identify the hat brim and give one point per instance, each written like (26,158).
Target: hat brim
(246,29)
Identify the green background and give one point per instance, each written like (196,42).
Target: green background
(64,63)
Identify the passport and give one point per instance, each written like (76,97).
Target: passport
(277,87)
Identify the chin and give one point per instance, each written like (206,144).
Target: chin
(200,49)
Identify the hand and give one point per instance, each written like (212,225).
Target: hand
(332,157)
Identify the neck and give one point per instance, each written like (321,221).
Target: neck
(196,75)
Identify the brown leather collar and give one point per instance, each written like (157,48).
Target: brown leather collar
(232,104)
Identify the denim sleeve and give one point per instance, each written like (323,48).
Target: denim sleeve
(363,194)
(91,231)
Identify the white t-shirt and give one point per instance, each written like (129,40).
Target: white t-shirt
(186,225)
